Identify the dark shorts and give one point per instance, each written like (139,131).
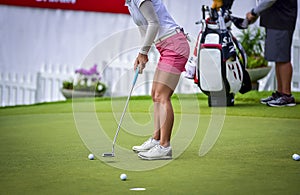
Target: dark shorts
(278,45)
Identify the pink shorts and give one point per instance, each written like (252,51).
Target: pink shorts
(174,53)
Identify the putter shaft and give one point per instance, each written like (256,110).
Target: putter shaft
(112,154)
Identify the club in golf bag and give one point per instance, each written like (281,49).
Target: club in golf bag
(112,154)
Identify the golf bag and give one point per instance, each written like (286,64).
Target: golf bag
(221,61)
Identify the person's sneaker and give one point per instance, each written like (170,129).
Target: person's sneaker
(283,101)
(147,145)
(158,152)
(274,96)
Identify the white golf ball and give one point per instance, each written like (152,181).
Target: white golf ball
(91,156)
(123,176)
(296,156)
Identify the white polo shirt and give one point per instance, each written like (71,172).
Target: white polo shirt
(167,23)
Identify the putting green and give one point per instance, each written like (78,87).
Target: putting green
(42,151)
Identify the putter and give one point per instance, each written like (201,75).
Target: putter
(112,154)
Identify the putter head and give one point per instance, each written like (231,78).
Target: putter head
(108,155)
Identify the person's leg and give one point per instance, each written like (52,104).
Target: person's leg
(163,112)
(163,86)
(278,48)
(284,73)
(278,78)
(174,53)
(162,89)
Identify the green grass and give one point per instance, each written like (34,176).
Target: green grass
(42,152)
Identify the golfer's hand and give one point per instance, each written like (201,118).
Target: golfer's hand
(140,62)
(251,19)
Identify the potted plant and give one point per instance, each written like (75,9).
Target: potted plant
(86,84)
(252,40)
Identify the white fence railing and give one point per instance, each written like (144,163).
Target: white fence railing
(49,82)
(24,89)
(17,89)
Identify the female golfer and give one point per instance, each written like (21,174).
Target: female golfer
(158,27)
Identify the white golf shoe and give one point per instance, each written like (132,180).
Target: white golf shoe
(158,152)
(147,145)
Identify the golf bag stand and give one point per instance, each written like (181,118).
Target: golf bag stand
(219,69)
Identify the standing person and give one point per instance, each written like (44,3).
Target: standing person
(279,18)
(157,26)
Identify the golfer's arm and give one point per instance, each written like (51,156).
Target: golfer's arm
(263,5)
(148,12)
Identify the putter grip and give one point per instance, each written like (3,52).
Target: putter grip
(135,75)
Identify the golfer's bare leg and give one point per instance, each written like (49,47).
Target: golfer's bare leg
(162,89)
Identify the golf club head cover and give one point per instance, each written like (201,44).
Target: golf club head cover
(240,23)
(225,4)
(217,4)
